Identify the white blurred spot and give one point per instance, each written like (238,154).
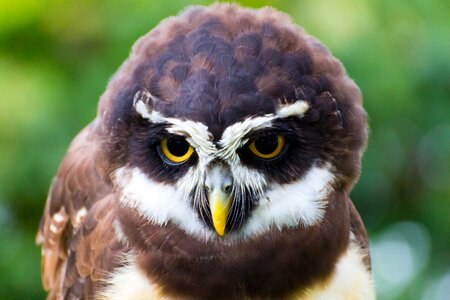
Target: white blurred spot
(399,254)
(438,289)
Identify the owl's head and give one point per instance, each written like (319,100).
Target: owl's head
(230,122)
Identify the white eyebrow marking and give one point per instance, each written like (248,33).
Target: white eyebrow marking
(143,109)
(234,136)
(196,133)
(201,138)
(296,109)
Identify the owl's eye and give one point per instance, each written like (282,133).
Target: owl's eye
(267,147)
(175,149)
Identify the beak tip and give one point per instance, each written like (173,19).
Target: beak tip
(220,230)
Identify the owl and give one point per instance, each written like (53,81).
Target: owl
(219,166)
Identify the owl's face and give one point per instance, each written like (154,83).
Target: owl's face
(263,171)
(229,133)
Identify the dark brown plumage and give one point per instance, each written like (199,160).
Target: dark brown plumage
(213,68)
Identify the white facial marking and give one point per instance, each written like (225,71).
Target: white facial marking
(296,109)
(301,202)
(141,101)
(247,177)
(234,136)
(159,202)
(196,134)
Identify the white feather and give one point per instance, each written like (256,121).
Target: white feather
(351,280)
(153,116)
(234,136)
(296,109)
(128,283)
(297,204)
(121,236)
(196,134)
(159,202)
(300,203)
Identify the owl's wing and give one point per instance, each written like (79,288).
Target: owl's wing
(76,228)
(359,233)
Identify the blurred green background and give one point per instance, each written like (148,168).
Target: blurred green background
(57,56)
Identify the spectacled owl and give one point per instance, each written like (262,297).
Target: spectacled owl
(219,166)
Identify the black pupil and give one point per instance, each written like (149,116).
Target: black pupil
(177,146)
(266,144)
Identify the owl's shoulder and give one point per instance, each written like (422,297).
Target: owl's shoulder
(79,214)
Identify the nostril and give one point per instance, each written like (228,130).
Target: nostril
(227,188)
(208,189)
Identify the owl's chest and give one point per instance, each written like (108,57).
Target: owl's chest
(349,280)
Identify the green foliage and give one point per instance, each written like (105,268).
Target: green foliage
(57,56)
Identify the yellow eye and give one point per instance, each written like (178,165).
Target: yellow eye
(267,147)
(175,149)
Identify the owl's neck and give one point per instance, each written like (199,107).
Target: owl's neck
(268,266)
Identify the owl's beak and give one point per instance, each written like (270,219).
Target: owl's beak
(219,203)
(218,190)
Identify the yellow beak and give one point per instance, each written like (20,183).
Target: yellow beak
(219,203)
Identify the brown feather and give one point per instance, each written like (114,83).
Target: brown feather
(78,244)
